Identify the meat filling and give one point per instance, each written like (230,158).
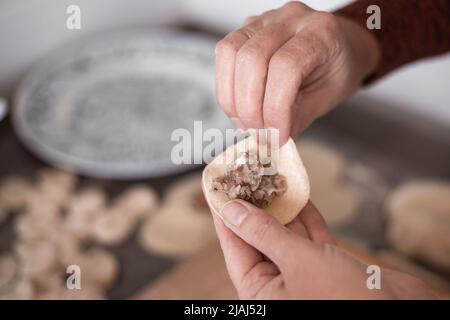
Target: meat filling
(245,179)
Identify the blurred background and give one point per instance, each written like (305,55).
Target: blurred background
(85,170)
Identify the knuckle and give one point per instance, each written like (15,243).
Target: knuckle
(261,232)
(224,103)
(246,32)
(227,45)
(278,117)
(284,59)
(295,6)
(250,286)
(243,294)
(310,49)
(249,115)
(251,52)
(250,19)
(327,20)
(269,14)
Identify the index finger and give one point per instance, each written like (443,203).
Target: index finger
(315,225)
(226,51)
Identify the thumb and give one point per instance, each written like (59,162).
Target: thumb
(259,229)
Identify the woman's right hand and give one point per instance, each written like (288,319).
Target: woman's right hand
(287,67)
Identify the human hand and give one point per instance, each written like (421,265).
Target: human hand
(266,260)
(287,67)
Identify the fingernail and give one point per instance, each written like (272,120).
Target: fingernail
(237,123)
(234,213)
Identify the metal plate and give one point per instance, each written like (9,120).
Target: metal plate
(107,107)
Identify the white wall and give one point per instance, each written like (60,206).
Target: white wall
(31,28)
(228,14)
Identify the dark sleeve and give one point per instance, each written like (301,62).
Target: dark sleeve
(410,30)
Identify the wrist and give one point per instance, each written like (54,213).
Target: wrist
(364,46)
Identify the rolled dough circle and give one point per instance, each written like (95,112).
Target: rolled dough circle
(419,220)
(285,207)
(182,225)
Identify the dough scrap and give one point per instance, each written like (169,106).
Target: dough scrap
(112,227)
(30,227)
(14,192)
(37,258)
(99,268)
(8,269)
(137,201)
(23,290)
(54,226)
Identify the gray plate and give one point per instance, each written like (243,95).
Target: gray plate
(107,107)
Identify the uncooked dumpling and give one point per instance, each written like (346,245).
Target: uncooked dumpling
(284,207)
